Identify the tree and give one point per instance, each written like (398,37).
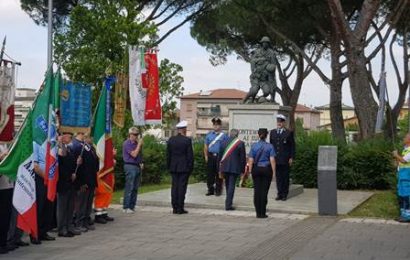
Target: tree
(170,87)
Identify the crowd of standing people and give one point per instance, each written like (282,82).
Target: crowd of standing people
(71,214)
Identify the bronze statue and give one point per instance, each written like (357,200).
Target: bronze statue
(262,73)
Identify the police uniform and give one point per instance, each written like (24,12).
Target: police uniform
(180,162)
(283,141)
(261,152)
(213,140)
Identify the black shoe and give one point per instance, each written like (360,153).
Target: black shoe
(183,211)
(262,216)
(100,220)
(47,237)
(174,211)
(278,198)
(21,243)
(283,199)
(218,194)
(3,250)
(35,241)
(68,234)
(230,208)
(209,193)
(108,218)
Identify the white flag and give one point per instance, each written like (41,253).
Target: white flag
(137,92)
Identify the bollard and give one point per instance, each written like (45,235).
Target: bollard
(327,180)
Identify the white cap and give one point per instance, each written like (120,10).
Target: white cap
(280,116)
(182,124)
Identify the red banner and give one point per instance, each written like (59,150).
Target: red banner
(7,91)
(150,81)
(6,132)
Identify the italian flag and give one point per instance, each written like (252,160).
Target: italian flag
(18,165)
(104,147)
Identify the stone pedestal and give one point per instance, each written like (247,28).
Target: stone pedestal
(248,118)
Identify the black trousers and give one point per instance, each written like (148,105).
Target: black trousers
(178,189)
(45,208)
(214,183)
(15,233)
(6,197)
(282,180)
(65,211)
(262,178)
(84,202)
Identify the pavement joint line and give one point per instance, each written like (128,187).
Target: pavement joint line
(373,221)
(215,212)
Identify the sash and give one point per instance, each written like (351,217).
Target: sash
(215,140)
(230,148)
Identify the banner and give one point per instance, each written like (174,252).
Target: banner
(120,99)
(75,107)
(137,91)
(104,148)
(150,81)
(7,93)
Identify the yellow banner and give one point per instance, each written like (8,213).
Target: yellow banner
(120,99)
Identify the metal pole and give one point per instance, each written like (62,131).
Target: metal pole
(50,35)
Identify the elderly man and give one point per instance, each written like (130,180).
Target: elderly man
(180,162)
(232,163)
(283,141)
(132,155)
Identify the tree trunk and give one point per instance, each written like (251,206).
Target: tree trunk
(335,106)
(365,105)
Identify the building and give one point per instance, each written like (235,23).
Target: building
(310,117)
(347,112)
(23,101)
(199,109)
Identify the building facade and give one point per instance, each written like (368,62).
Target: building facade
(347,112)
(198,109)
(309,116)
(23,101)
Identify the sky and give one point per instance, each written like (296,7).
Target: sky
(27,43)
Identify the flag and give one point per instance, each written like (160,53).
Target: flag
(51,169)
(7,92)
(150,79)
(120,99)
(104,147)
(137,90)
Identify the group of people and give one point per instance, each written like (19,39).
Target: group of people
(70,214)
(227,160)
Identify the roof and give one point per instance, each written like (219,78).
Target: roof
(352,119)
(223,93)
(327,107)
(304,109)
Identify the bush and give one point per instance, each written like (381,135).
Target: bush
(366,165)
(199,172)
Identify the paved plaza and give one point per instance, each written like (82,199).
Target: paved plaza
(155,233)
(305,203)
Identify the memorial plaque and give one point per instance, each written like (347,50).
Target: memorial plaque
(327,180)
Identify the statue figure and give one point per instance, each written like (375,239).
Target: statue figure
(262,73)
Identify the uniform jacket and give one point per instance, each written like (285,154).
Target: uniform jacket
(66,165)
(180,156)
(284,145)
(236,161)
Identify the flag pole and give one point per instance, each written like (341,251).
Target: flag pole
(50,35)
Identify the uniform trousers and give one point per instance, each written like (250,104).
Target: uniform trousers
(45,208)
(84,201)
(65,211)
(178,189)
(262,178)
(214,183)
(6,197)
(282,180)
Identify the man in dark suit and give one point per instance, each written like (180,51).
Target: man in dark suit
(180,162)
(232,163)
(283,141)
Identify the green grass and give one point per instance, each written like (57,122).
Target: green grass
(383,204)
(166,184)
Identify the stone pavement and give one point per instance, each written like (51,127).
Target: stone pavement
(155,233)
(305,203)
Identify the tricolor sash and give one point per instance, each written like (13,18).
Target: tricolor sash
(230,148)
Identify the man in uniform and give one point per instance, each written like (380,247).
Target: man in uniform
(283,141)
(180,162)
(232,158)
(212,148)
